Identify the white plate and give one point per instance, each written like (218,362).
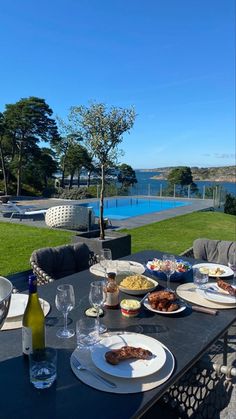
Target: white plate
(148,306)
(224,298)
(130,368)
(227,271)
(135,267)
(138,292)
(18,304)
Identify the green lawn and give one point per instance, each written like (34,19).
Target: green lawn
(17,242)
(177,234)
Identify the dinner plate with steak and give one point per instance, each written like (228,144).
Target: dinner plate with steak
(164,302)
(220,292)
(128,356)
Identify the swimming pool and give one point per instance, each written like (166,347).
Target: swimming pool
(122,208)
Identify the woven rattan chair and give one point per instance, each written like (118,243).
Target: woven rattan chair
(72,217)
(51,263)
(216,251)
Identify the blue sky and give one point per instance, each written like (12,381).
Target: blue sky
(173,60)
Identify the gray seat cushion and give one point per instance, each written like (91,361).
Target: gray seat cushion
(218,251)
(62,260)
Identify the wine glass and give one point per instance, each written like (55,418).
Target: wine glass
(104,258)
(65,302)
(232,265)
(97,297)
(168,267)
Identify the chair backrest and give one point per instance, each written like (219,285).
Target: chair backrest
(74,217)
(218,251)
(52,263)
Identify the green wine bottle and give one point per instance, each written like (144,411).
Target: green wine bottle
(33,323)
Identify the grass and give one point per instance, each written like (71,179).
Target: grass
(17,242)
(177,234)
(174,235)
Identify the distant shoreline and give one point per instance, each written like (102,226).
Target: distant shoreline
(226,179)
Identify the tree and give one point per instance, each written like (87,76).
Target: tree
(77,158)
(27,123)
(182,176)
(230,204)
(101,129)
(126,175)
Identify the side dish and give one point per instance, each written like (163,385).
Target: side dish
(136,282)
(163,301)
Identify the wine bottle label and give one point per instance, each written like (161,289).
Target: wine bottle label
(27,340)
(112,299)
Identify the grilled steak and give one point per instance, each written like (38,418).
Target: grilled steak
(226,287)
(126,352)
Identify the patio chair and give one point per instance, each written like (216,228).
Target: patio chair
(72,217)
(218,251)
(51,263)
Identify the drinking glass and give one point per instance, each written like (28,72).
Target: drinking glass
(232,265)
(43,367)
(104,258)
(200,279)
(86,333)
(168,267)
(65,302)
(97,297)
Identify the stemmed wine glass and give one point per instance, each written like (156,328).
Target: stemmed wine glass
(232,265)
(104,258)
(168,267)
(65,302)
(97,297)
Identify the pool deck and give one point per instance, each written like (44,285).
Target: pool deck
(132,222)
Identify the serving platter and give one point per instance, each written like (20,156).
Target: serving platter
(168,313)
(213,266)
(130,368)
(136,292)
(135,267)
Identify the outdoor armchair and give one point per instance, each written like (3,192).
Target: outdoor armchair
(216,251)
(73,217)
(51,263)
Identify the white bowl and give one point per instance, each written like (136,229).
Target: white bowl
(136,292)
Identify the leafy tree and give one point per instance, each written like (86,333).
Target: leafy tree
(182,176)
(27,122)
(101,129)
(126,175)
(77,158)
(230,204)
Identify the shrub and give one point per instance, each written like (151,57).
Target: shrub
(230,204)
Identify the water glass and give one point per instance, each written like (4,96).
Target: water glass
(43,367)
(86,333)
(200,279)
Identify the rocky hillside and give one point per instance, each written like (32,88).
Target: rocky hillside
(218,174)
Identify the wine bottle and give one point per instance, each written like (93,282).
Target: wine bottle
(33,323)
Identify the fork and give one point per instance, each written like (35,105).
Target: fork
(81,367)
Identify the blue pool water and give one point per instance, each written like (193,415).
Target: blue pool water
(122,208)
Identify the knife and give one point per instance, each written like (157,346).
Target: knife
(211,291)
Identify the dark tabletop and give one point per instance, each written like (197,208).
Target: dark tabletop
(188,335)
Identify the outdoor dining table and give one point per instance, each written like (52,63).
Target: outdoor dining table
(188,335)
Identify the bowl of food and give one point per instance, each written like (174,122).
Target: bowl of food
(130,307)
(136,284)
(183,268)
(5,298)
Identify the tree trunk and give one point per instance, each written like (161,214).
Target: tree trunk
(102,229)
(88,178)
(19,170)
(3,171)
(71,180)
(78,179)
